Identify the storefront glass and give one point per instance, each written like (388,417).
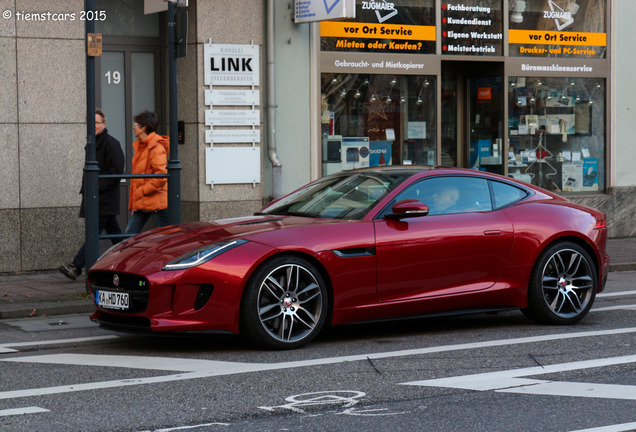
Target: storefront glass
(556,132)
(558,28)
(379,85)
(473,28)
(399,26)
(374,120)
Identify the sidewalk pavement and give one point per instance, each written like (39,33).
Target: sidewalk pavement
(37,294)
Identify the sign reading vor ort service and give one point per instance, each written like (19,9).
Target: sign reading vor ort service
(231,65)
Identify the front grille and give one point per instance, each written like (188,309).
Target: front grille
(136,286)
(123,322)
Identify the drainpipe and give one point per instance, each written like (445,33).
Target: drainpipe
(277,166)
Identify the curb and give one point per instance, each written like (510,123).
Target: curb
(622,267)
(38,309)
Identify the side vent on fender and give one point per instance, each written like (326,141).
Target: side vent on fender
(204,294)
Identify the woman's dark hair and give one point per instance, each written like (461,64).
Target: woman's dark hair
(148,120)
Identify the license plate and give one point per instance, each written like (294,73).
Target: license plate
(113,300)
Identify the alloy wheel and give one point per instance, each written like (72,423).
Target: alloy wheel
(567,282)
(290,303)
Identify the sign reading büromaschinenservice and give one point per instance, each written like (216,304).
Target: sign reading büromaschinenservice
(558,28)
(383,26)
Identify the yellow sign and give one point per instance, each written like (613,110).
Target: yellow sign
(556,38)
(94,44)
(340,29)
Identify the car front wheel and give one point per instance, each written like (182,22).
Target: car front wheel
(285,304)
(562,286)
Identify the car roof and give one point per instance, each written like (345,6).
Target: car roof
(424,170)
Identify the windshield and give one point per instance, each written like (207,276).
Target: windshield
(342,196)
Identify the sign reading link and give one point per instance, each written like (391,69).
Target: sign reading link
(231,65)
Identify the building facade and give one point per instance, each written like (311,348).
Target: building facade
(539,90)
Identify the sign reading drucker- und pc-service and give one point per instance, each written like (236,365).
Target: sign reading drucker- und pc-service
(558,28)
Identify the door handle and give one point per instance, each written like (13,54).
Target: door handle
(492,232)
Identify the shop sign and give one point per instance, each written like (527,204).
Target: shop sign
(484,94)
(232,136)
(560,28)
(232,97)
(232,165)
(321,10)
(383,27)
(401,64)
(232,117)
(518,66)
(232,65)
(472,29)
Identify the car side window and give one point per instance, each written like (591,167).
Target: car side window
(446,194)
(506,194)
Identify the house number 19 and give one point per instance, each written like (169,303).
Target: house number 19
(113,77)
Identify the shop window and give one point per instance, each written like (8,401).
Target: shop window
(556,130)
(375,120)
(558,28)
(126,18)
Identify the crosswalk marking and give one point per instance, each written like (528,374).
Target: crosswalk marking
(194,369)
(8,347)
(513,381)
(20,411)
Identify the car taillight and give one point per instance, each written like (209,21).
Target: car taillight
(601,222)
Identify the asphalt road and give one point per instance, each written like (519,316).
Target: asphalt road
(489,372)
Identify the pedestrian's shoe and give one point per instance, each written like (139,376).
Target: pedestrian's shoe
(70,271)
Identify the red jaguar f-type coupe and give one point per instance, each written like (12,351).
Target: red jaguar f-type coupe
(361,245)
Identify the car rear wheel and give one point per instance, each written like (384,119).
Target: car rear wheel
(562,286)
(285,304)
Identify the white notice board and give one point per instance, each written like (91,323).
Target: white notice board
(232,165)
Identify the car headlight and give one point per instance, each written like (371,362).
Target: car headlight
(201,255)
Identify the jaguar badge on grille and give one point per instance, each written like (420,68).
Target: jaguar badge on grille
(116,281)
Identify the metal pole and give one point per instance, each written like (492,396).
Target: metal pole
(91,169)
(174,166)
(277,166)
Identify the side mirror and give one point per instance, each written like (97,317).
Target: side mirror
(408,208)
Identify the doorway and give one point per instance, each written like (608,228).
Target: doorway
(128,78)
(472,111)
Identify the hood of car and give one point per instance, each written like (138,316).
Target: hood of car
(163,245)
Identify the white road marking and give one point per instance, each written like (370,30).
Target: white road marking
(578,389)
(625,427)
(194,369)
(7,346)
(615,294)
(510,381)
(20,411)
(611,308)
(178,428)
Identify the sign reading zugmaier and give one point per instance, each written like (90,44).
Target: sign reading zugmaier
(231,65)
(320,10)
(558,28)
(396,26)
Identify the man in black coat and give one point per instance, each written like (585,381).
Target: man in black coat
(110,159)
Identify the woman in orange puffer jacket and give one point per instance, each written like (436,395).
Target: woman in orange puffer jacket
(148,196)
